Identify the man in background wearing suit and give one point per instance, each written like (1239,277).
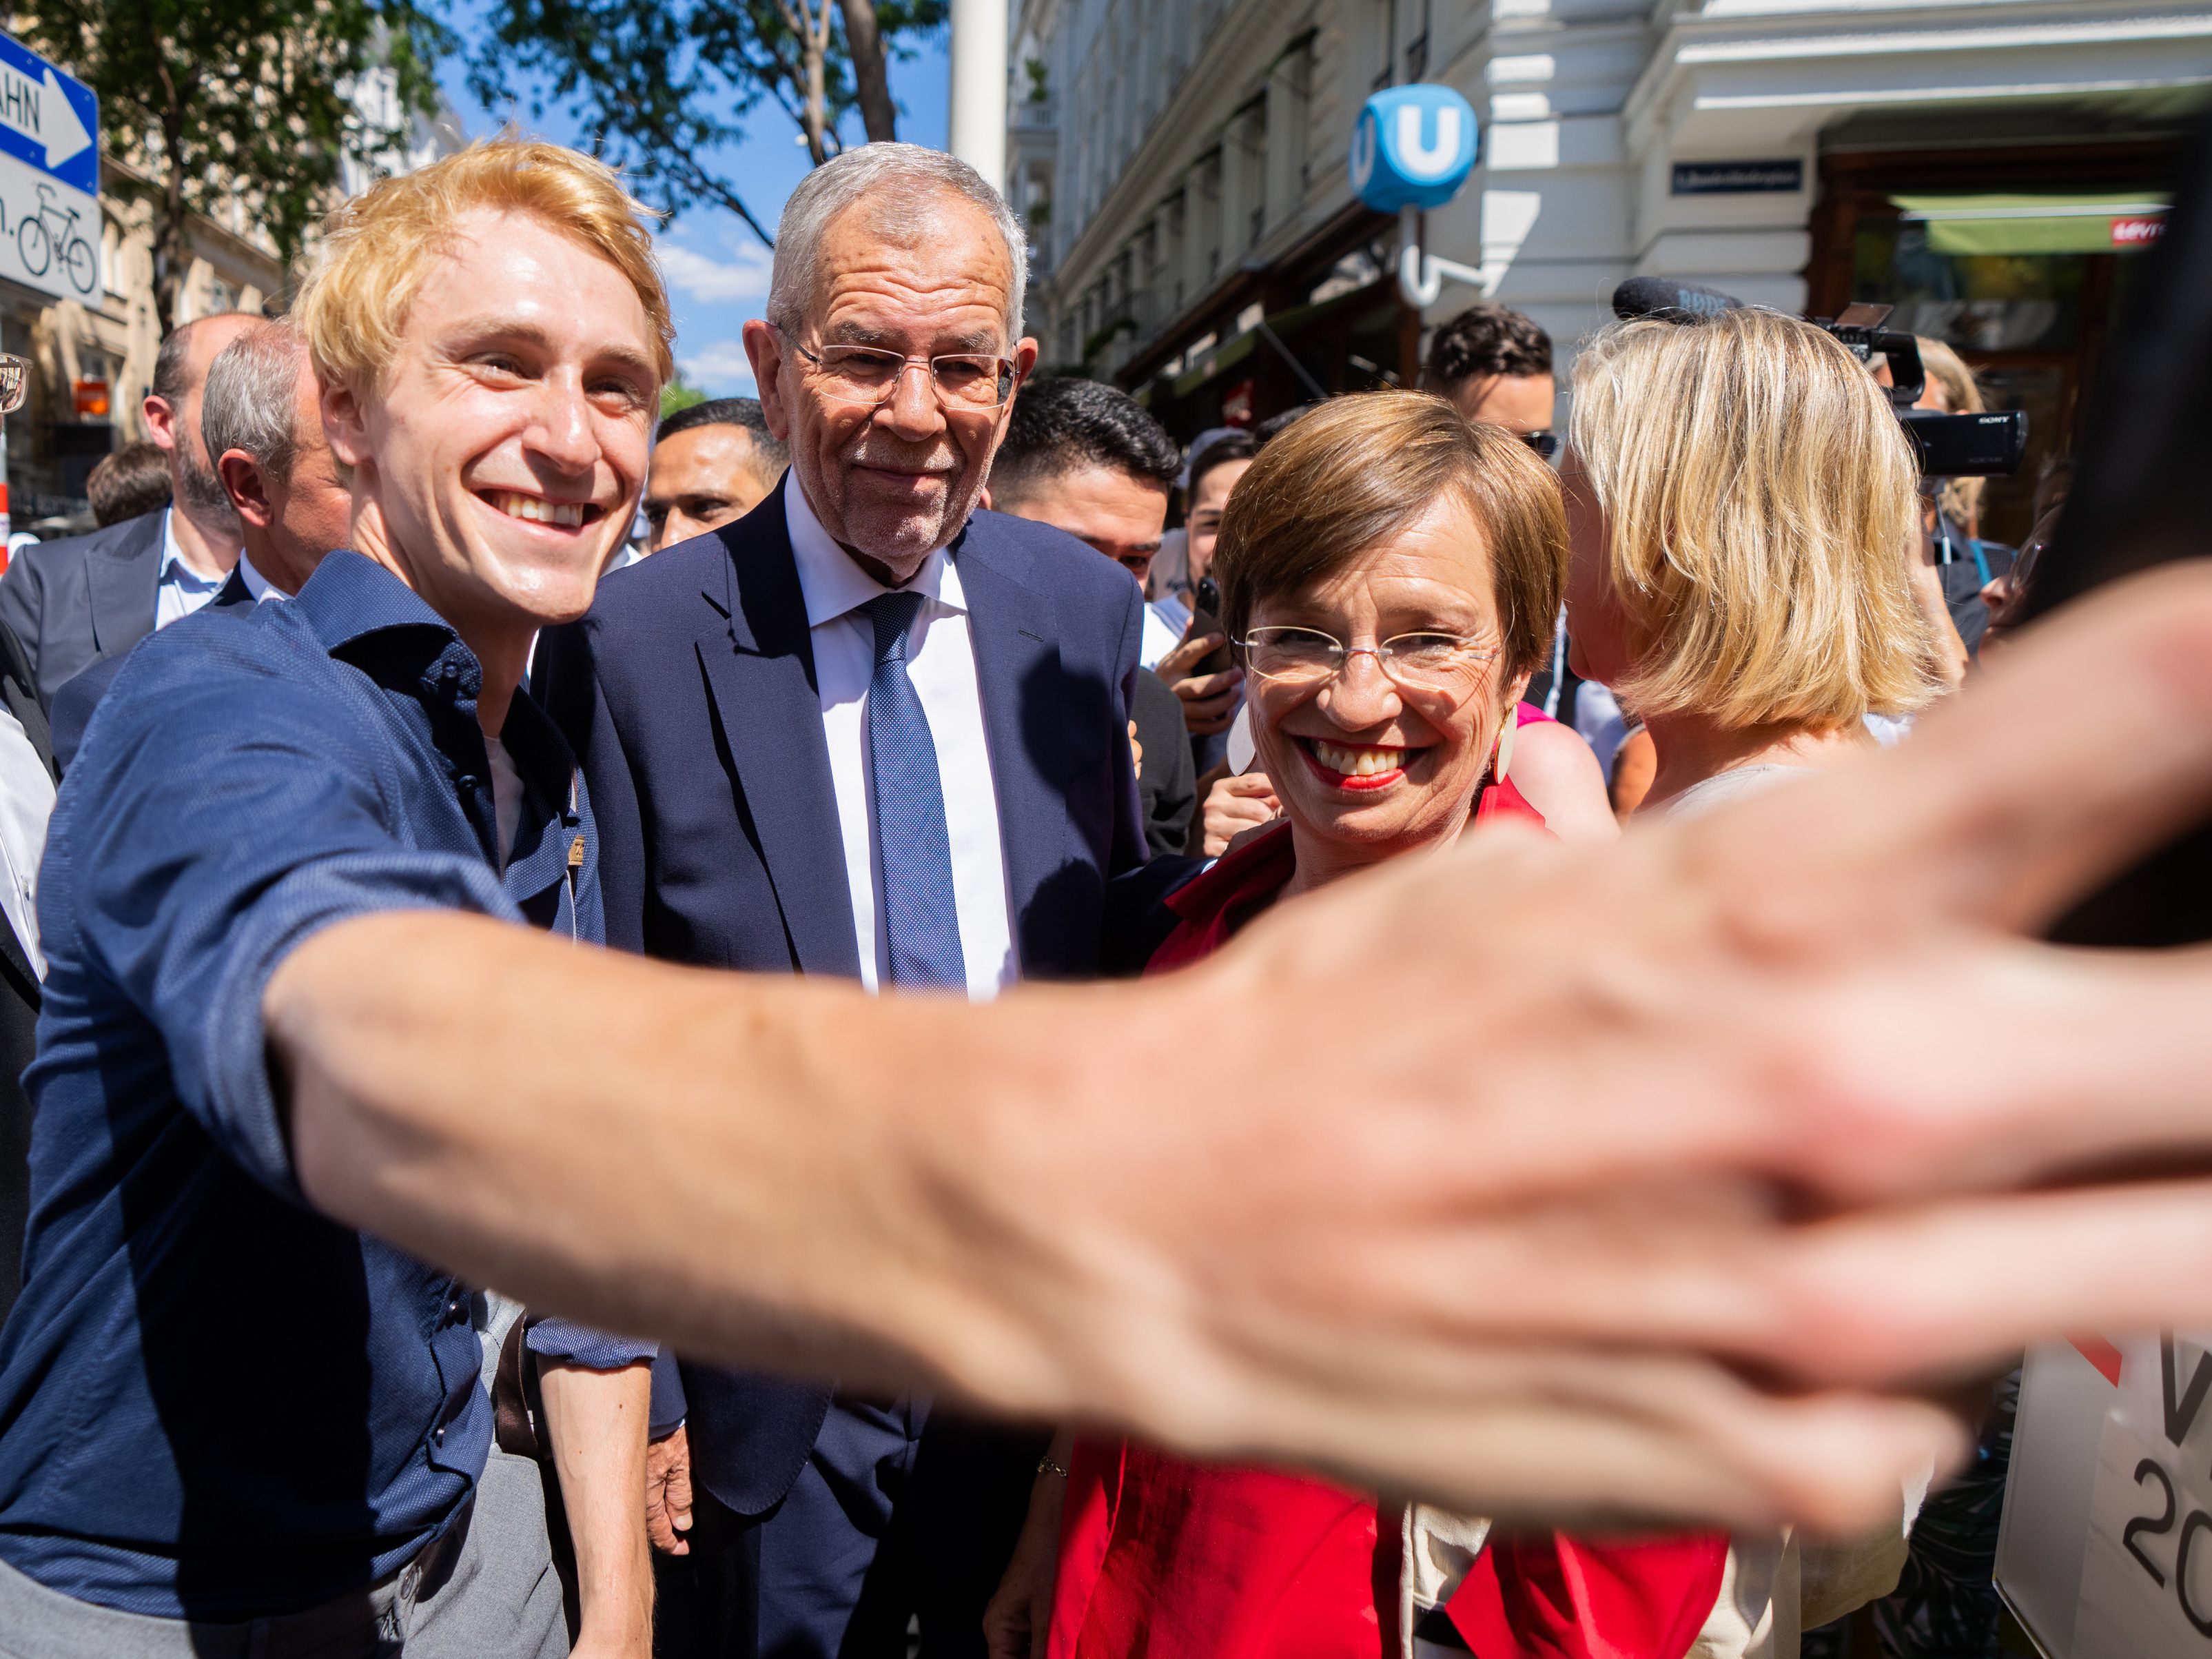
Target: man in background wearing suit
(89,596)
(865,732)
(259,417)
(1086,459)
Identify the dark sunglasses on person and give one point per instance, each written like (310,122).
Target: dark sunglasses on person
(1545,443)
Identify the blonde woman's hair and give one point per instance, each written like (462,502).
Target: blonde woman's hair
(378,248)
(1760,501)
(1960,499)
(1357,470)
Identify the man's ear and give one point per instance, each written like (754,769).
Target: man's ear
(160,422)
(764,346)
(247,489)
(343,424)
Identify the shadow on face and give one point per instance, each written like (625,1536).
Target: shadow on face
(1208,501)
(895,480)
(500,462)
(1370,762)
(701,478)
(1122,515)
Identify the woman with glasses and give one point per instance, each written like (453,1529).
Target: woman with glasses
(1390,575)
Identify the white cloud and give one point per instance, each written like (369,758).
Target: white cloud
(721,369)
(742,276)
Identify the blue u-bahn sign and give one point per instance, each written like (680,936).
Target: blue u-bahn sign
(49,177)
(1411,147)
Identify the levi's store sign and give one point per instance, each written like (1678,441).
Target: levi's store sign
(2139,231)
(2106,1548)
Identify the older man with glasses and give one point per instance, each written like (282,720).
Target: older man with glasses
(918,717)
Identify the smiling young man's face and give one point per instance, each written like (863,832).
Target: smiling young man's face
(498,466)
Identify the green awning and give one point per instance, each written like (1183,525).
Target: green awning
(2106,222)
(1214,358)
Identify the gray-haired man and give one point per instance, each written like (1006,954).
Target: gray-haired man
(865,732)
(263,431)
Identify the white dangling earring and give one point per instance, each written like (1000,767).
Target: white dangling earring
(1504,758)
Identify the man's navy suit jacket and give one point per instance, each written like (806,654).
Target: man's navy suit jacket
(688,694)
(83,597)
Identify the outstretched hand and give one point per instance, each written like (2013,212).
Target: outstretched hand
(1654,1179)
(1650,1180)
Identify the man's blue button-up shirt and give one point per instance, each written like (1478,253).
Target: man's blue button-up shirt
(214,1402)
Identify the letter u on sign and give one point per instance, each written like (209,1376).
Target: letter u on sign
(1411,147)
(1424,160)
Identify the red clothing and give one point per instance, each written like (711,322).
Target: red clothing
(1162,1558)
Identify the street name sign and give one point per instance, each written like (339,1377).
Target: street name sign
(49,220)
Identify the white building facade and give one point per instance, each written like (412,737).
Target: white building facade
(1990,166)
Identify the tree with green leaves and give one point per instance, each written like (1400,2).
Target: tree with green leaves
(660,87)
(215,100)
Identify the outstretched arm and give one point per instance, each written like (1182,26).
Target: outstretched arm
(1537,1179)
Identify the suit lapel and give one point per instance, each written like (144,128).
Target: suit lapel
(759,663)
(125,581)
(1013,627)
(15,966)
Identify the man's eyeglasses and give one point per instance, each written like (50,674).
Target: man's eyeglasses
(868,376)
(15,382)
(1545,443)
(1443,665)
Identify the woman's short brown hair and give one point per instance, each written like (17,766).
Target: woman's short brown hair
(1358,471)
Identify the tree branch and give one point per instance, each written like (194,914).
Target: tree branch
(864,45)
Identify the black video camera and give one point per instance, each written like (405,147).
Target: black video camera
(1950,445)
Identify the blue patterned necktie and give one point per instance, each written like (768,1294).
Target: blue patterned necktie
(921,925)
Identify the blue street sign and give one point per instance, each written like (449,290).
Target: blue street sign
(50,213)
(50,119)
(1411,147)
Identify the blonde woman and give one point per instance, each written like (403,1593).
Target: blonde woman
(1744,516)
(1743,521)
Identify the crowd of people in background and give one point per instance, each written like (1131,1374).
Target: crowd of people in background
(920,671)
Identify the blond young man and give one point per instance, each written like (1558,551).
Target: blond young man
(990,1202)
(234,1425)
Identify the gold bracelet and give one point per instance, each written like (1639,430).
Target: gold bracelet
(1046,1466)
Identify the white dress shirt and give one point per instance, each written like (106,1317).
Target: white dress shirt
(258,585)
(180,589)
(26,801)
(1160,637)
(941,664)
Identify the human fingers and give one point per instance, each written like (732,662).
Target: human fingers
(1252,785)
(1006,1624)
(1579,1436)
(1974,1280)
(2022,793)
(668,1493)
(1884,1299)
(1204,688)
(1188,655)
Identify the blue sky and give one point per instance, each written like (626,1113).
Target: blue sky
(716,268)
